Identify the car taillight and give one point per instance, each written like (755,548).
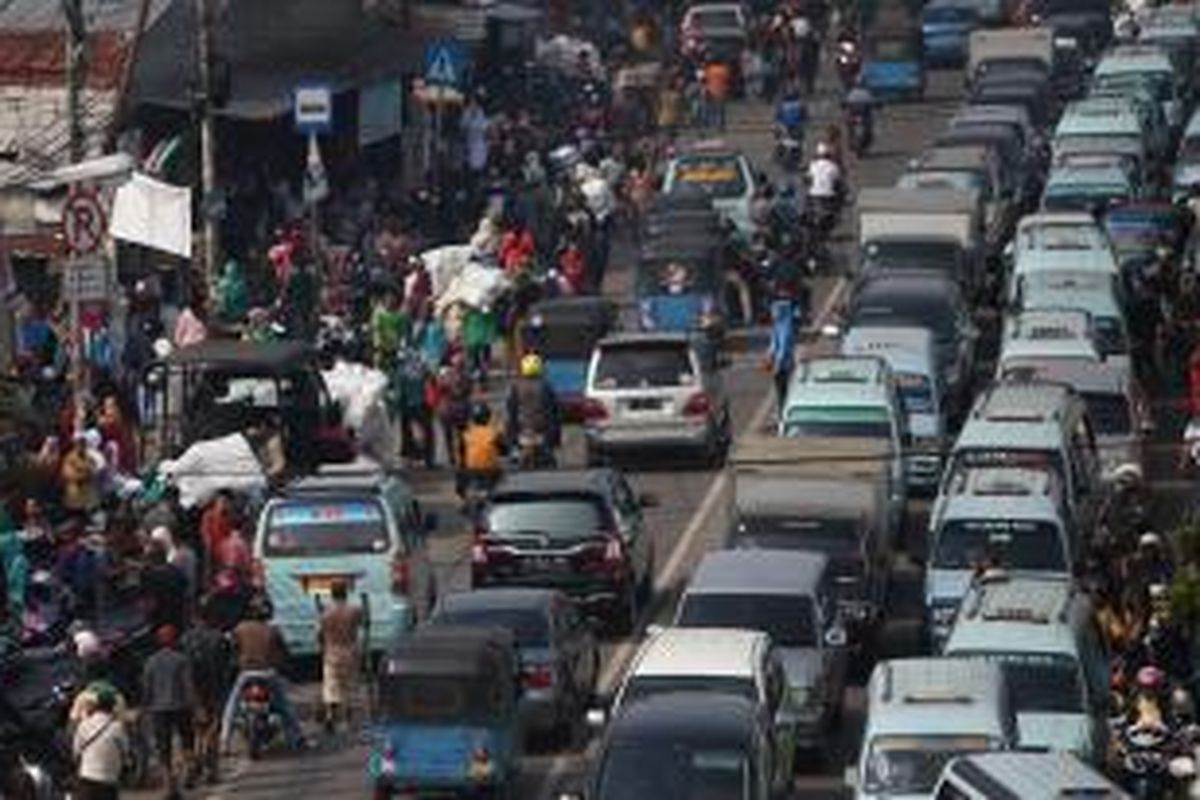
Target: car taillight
(697,405)
(401,576)
(479,553)
(258,573)
(537,676)
(614,555)
(255,693)
(593,410)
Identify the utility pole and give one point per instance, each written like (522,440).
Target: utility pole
(210,240)
(76,45)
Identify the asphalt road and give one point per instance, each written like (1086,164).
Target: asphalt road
(691,518)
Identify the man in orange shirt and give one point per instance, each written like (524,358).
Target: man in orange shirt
(716,91)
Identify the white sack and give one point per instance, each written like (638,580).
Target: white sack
(206,467)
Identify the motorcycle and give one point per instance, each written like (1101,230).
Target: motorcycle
(848,59)
(1145,759)
(261,724)
(532,452)
(858,131)
(789,148)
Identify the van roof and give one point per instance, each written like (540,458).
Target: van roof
(1016,613)
(1004,482)
(1053,775)
(765,572)
(1029,402)
(841,380)
(936,696)
(722,652)
(1030,507)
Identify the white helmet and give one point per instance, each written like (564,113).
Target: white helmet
(88,645)
(824,150)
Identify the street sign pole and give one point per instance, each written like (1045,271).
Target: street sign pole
(83,227)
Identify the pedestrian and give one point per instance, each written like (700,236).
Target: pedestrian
(717,80)
(211,657)
(168,696)
(670,108)
(483,448)
(781,351)
(234,554)
(454,405)
(217,522)
(164,588)
(231,301)
(190,326)
(299,302)
(181,556)
(80,491)
(479,332)
(338,639)
(101,749)
(389,329)
(411,403)
(117,433)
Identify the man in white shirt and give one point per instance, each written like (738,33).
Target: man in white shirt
(99,747)
(824,175)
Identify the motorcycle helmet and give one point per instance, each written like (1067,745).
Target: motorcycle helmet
(1149,678)
(88,645)
(824,150)
(531,365)
(481,414)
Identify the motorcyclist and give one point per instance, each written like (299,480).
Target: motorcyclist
(261,652)
(532,412)
(824,185)
(482,445)
(859,106)
(791,115)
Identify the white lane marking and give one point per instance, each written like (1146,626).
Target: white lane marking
(621,655)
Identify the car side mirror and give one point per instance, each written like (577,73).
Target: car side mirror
(648,500)
(836,636)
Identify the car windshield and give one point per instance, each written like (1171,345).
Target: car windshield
(439,699)
(916,392)
(1013,543)
(644,366)
(718,176)
(1049,7)
(716,19)
(1109,412)
(790,620)
(853,421)
(942,256)
(1045,683)
(529,628)
(664,770)
(949,14)
(912,764)
(963,180)
(642,686)
(561,339)
(318,527)
(555,517)
(1060,237)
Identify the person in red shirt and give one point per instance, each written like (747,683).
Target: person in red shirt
(516,249)
(216,525)
(573,267)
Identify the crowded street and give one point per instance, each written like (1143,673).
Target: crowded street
(778,442)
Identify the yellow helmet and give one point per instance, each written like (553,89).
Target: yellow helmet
(531,365)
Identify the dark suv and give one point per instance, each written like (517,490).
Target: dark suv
(580,531)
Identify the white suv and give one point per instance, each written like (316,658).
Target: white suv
(654,392)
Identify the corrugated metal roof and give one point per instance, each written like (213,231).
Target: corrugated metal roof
(100,15)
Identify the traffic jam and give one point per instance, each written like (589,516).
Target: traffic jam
(802,401)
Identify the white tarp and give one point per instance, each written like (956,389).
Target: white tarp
(444,265)
(361,391)
(563,53)
(206,467)
(153,214)
(476,285)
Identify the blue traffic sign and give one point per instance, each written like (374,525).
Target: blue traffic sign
(445,63)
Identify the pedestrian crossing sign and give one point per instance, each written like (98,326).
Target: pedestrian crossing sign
(445,63)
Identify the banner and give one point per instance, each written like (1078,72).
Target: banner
(380,113)
(153,214)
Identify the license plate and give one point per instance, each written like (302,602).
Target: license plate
(645,404)
(322,584)
(546,563)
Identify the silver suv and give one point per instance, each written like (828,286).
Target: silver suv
(654,392)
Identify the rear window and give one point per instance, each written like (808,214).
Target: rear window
(642,686)
(1010,543)
(529,628)
(326,527)
(853,421)
(789,620)
(716,176)
(949,14)
(644,366)
(556,518)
